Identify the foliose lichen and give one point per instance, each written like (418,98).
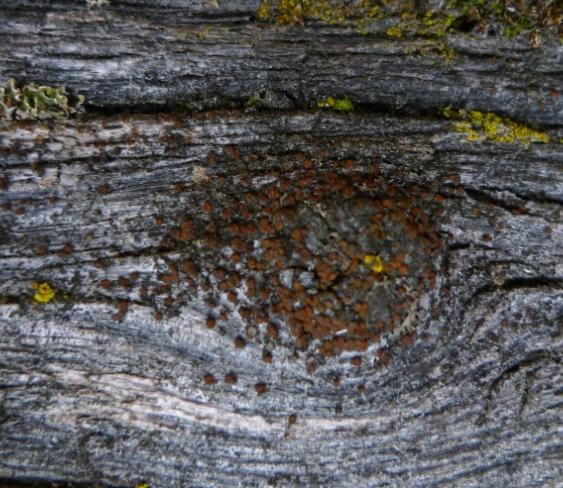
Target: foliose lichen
(36,102)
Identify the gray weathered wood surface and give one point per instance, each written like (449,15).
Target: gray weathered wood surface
(88,395)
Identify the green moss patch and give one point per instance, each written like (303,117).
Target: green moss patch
(338,104)
(507,17)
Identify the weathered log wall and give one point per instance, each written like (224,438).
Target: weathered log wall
(124,377)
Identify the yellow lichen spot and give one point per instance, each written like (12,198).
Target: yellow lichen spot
(395,31)
(450,112)
(142,485)
(43,292)
(291,12)
(480,126)
(374,12)
(473,135)
(264,10)
(375,263)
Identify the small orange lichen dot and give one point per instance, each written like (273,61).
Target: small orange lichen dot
(383,357)
(356,361)
(41,250)
(105,284)
(261,388)
(43,292)
(272,330)
(267,357)
(407,340)
(209,379)
(231,378)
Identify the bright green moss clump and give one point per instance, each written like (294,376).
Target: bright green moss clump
(480,126)
(339,104)
(36,102)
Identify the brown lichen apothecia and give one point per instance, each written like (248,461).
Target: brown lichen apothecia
(327,261)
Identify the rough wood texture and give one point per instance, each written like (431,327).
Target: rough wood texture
(122,378)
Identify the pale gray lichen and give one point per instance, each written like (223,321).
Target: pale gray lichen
(36,102)
(97,3)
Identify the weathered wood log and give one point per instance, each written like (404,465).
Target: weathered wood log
(130,55)
(282,296)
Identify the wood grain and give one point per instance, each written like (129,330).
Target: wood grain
(106,384)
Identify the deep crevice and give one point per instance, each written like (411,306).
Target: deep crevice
(484,197)
(532,282)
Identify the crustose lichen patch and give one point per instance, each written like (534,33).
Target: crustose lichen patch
(325,261)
